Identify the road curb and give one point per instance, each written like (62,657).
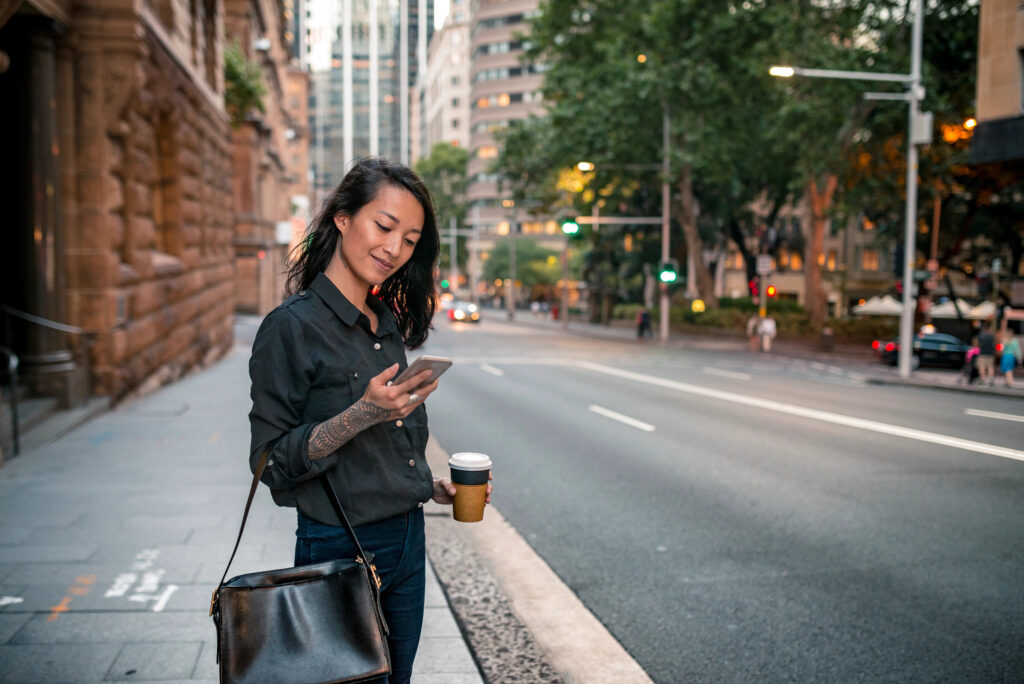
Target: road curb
(991,391)
(570,636)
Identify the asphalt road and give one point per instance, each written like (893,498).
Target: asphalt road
(732,516)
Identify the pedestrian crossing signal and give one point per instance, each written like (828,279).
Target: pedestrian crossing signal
(669,271)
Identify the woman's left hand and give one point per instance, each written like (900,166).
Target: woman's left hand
(444,491)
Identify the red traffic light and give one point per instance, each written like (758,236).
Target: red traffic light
(770,290)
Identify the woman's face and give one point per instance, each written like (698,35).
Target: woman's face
(381,237)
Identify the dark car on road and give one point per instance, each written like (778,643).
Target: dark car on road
(464,312)
(930,349)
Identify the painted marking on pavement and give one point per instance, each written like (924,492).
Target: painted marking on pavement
(79,588)
(488,368)
(994,414)
(10,600)
(146,589)
(632,422)
(813,414)
(726,374)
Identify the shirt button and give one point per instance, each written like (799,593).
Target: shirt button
(412,463)
(270,463)
(376,345)
(420,504)
(355,375)
(398,423)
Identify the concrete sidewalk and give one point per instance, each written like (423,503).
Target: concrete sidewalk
(113,537)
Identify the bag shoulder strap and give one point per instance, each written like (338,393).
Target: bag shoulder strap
(335,504)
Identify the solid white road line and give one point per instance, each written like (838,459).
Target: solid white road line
(993,414)
(492,370)
(726,374)
(813,414)
(632,422)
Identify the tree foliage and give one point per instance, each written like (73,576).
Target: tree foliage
(615,68)
(243,85)
(445,174)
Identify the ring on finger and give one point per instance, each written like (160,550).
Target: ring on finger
(413,398)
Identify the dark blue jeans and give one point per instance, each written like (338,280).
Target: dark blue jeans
(399,552)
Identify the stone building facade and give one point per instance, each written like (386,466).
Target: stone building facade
(270,155)
(118,188)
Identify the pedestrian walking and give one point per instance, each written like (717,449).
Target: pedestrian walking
(754,332)
(643,323)
(767,331)
(985,361)
(1011,356)
(324,401)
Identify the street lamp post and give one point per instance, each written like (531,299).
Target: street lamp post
(918,132)
(664,219)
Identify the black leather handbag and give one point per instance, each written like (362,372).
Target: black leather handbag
(308,624)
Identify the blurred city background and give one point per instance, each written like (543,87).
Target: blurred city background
(622,187)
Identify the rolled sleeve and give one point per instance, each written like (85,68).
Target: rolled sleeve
(282,372)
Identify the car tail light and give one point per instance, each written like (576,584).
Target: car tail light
(876,344)
(451,314)
(999,347)
(891,346)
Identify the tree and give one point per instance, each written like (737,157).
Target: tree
(445,175)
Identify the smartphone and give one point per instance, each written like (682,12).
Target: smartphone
(435,364)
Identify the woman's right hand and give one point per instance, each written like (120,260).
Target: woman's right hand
(399,400)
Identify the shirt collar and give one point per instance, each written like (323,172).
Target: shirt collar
(346,311)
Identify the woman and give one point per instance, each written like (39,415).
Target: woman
(323,399)
(1011,356)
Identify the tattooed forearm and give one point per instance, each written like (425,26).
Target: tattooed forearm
(331,434)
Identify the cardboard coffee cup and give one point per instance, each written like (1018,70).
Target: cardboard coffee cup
(469,475)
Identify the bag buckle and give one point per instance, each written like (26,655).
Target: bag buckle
(213,600)
(373,571)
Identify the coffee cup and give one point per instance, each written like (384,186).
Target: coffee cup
(470,472)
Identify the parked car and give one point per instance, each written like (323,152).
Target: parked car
(465,312)
(930,349)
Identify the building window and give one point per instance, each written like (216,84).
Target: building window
(455,123)
(830,262)
(455,102)
(796,261)
(869,260)
(455,80)
(487,152)
(867,224)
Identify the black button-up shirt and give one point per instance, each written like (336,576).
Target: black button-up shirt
(313,357)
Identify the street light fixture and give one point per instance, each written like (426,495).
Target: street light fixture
(918,132)
(665,169)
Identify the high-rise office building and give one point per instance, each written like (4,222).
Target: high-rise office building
(503,89)
(446,116)
(364,59)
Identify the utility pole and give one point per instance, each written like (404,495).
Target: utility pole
(665,208)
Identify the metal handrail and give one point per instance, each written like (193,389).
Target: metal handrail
(46,322)
(12,371)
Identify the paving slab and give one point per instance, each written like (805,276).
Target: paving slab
(147,660)
(61,663)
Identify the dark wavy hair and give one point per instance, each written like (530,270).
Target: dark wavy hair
(409,292)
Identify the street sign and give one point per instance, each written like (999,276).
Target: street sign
(764,264)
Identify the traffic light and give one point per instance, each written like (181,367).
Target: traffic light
(754,286)
(669,271)
(570,227)
(770,291)
(444,284)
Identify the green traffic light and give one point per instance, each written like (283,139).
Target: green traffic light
(444,283)
(668,276)
(570,227)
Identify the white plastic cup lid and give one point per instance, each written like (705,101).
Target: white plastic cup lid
(470,461)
